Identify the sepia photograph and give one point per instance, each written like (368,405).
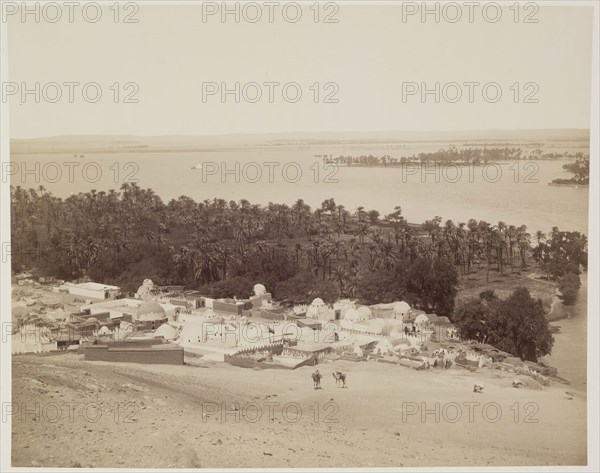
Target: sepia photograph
(305,235)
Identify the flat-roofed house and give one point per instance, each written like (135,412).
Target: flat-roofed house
(94,290)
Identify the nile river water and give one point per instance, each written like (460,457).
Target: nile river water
(515,193)
(569,353)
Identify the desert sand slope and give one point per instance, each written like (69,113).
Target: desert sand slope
(174,416)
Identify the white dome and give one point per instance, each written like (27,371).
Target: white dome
(365,312)
(259,289)
(20,312)
(401,307)
(352,315)
(104,331)
(166,331)
(150,311)
(209,313)
(318,302)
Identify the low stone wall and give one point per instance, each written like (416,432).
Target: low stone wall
(269,315)
(123,344)
(249,362)
(159,356)
(353,358)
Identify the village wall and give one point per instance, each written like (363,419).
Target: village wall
(169,356)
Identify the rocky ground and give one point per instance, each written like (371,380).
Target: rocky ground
(69,412)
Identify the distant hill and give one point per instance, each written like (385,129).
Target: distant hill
(132,143)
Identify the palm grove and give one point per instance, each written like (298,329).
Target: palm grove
(223,248)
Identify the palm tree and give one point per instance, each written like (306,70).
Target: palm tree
(523,240)
(360,213)
(341,213)
(511,236)
(316,246)
(183,261)
(298,249)
(340,274)
(326,252)
(225,255)
(386,257)
(362,231)
(540,236)
(432,227)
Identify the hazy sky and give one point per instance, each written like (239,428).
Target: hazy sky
(369,53)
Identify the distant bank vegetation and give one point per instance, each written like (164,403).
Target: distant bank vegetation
(580,168)
(452,154)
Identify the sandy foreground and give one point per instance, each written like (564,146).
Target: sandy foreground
(69,412)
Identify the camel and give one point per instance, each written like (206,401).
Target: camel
(340,378)
(316,376)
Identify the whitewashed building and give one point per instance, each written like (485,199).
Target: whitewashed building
(94,290)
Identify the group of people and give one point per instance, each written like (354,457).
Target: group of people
(340,379)
(408,330)
(444,358)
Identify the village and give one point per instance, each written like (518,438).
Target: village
(170,325)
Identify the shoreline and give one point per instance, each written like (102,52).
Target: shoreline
(569,353)
(557,306)
(502,162)
(560,184)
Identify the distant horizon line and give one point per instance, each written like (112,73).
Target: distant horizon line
(313,132)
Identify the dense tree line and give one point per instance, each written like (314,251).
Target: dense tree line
(452,154)
(517,325)
(123,236)
(561,255)
(580,168)
(569,286)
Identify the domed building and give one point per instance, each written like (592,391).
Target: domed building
(318,309)
(20,312)
(104,331)
(259,290)
(400,309)
(145,291)
(312,312)
(365,312)
(352,315)
(166,331)
(150,311)
(317,302)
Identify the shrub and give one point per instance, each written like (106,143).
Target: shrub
(569,286)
